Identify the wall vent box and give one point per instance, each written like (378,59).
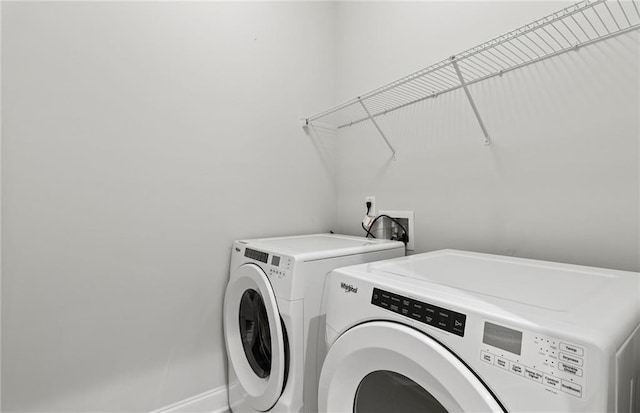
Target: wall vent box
(389,229)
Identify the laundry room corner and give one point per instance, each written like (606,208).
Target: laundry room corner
(560,178)
(179,232)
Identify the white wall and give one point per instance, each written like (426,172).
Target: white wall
(560,180)
(0,209)
(139,140)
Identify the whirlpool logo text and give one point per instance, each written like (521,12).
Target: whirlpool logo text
(348,288)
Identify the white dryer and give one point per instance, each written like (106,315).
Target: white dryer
(454,331)
(272,315)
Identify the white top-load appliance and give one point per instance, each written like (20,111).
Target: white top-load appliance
(461,331)
(272,315)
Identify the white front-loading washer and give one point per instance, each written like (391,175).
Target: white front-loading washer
(453,331)
(272,315)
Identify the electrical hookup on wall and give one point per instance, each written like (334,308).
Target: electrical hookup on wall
(393,225)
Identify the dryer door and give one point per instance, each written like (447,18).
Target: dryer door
(387,367)
(254,336)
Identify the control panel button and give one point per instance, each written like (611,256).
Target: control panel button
(533,374)
(429,319)
(487,357)
(444,314)
(571,359)
(569,368)
(516,368)
(551,381)
(571,388)
(443,322)
(500,362)
(571,349)
(457,323)
(459,320)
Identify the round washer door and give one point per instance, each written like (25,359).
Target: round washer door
(387,367)
(254,336)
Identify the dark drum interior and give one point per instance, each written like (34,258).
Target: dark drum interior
(389,392)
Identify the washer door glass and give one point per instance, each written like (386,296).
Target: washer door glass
(255,340)
(255,334)
(386,391)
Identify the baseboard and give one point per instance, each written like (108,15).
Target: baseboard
(212,401)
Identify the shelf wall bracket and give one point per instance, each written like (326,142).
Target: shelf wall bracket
(473,104)
(393,151)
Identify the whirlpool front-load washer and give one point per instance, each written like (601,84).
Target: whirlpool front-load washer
(467,332)
(272,315)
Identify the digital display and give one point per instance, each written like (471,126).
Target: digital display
(256,255)
(275,260)
(502,337)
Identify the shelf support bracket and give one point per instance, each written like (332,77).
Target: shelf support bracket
(393,151)
(473,104)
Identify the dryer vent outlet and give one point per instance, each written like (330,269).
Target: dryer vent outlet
(388,229)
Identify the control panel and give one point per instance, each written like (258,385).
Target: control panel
(556,364)
(447,320)
(277,265)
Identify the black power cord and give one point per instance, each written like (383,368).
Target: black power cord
(405,235)
(369,234)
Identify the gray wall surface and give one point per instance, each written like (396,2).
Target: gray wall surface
(560,180)
(139,140)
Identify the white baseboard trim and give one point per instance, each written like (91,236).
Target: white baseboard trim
(212,401)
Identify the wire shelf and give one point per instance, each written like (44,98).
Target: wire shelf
(583,23)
